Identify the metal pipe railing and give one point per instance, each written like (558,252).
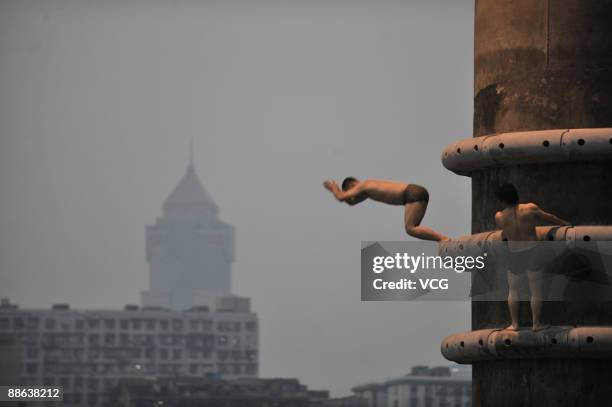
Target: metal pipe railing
(529,147)
(555,342)
(474,245)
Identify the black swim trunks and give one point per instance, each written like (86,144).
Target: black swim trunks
(415,193)
(536,258)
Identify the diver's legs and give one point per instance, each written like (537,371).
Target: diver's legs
(413,215)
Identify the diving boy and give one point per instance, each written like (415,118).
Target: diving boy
(412,196)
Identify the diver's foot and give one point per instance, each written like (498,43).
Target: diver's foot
(539,327)
(512,327)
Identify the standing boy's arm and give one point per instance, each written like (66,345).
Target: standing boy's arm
(341,195)
(549,217)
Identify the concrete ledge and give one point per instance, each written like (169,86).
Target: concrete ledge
(555,342)
(474,245)
(530,147)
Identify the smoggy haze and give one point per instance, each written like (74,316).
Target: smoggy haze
(98,101)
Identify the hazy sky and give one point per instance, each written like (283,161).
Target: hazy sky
(98,100)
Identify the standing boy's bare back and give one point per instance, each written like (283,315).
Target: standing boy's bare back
(518,224)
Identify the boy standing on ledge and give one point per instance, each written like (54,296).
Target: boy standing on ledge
(412,196)
(527,256)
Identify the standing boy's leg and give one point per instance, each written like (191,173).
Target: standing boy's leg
(537,285)
(514,282)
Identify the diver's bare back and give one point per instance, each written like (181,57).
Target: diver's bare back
(389,192)
(518,225)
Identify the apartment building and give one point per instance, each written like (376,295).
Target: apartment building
(89,351)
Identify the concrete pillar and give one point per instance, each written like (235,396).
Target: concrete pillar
(543,64)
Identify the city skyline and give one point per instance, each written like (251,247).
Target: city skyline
(106,95)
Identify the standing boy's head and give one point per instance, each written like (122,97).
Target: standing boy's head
(507,194)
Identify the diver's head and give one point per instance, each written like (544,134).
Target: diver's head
(348,183)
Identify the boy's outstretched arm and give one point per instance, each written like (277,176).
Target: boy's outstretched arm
(549,217)
(342,196)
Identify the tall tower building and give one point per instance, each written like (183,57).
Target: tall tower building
(542,121)
(189,250)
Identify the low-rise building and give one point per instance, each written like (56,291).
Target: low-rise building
(87,352)
(423,387)
(214,392)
